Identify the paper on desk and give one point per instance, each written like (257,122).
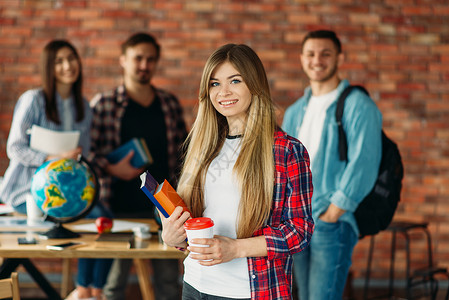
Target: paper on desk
(5,209)
(21,222)
(118,225)
(53,142)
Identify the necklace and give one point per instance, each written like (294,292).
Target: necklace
(231,137)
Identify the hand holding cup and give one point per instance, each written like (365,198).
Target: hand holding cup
(199,228)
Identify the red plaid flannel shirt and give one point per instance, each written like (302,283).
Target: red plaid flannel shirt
(289,227)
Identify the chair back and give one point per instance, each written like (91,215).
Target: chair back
(9,287)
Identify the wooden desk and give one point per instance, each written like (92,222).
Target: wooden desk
(145,249)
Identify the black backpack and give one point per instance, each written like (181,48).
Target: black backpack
(376,210)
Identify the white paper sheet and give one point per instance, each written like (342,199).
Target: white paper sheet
(21,222)
(118,225)
(53,142)
(5,209)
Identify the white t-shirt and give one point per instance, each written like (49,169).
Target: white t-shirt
(312,125)
(222,197)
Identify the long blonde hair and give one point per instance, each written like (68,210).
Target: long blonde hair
(254,167)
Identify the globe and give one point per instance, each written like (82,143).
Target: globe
(65,190)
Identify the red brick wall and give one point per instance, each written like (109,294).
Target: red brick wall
(397,48)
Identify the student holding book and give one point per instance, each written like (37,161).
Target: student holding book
(137,109)
(58,105)
(250,178)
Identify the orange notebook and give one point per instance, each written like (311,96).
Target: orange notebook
(168,198)
(164,196)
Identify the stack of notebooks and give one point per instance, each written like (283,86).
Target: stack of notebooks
(115,240)
(163,195)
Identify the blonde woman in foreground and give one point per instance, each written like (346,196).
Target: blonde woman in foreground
(250,178)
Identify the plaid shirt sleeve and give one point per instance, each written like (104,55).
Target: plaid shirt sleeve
(290,225)
(176,132)
(105,134)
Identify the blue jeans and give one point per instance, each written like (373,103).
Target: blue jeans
(190,293)
(93,272)
(320,270)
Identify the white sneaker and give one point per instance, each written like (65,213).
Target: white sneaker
(74,296)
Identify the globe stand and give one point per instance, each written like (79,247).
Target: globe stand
(60,232)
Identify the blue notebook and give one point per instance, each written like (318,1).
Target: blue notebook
(149,186)
(141,157)
(163,195)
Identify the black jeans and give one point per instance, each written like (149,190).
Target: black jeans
(190,293)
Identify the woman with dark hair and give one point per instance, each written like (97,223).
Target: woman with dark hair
(58,105)
(250,178)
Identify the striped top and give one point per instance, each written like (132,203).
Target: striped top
(29,111)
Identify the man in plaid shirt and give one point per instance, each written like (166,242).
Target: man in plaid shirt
(137,109)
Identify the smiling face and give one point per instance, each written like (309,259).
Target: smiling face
(139,63)
(320,60)
(230,96)
(67,67)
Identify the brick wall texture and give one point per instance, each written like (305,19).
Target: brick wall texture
(398,49)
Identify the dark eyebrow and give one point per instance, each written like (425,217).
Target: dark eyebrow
(324,50)
(230,77)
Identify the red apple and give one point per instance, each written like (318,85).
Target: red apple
(103,224)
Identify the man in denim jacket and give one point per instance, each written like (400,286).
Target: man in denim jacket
(339,186)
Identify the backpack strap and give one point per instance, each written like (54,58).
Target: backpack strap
(342,141)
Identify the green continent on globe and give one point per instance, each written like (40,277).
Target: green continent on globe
(53,198)
(88,193)
(63,165)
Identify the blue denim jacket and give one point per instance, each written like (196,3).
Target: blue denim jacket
(342,183)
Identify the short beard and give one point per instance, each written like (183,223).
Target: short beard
(144,81)
(332,73)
